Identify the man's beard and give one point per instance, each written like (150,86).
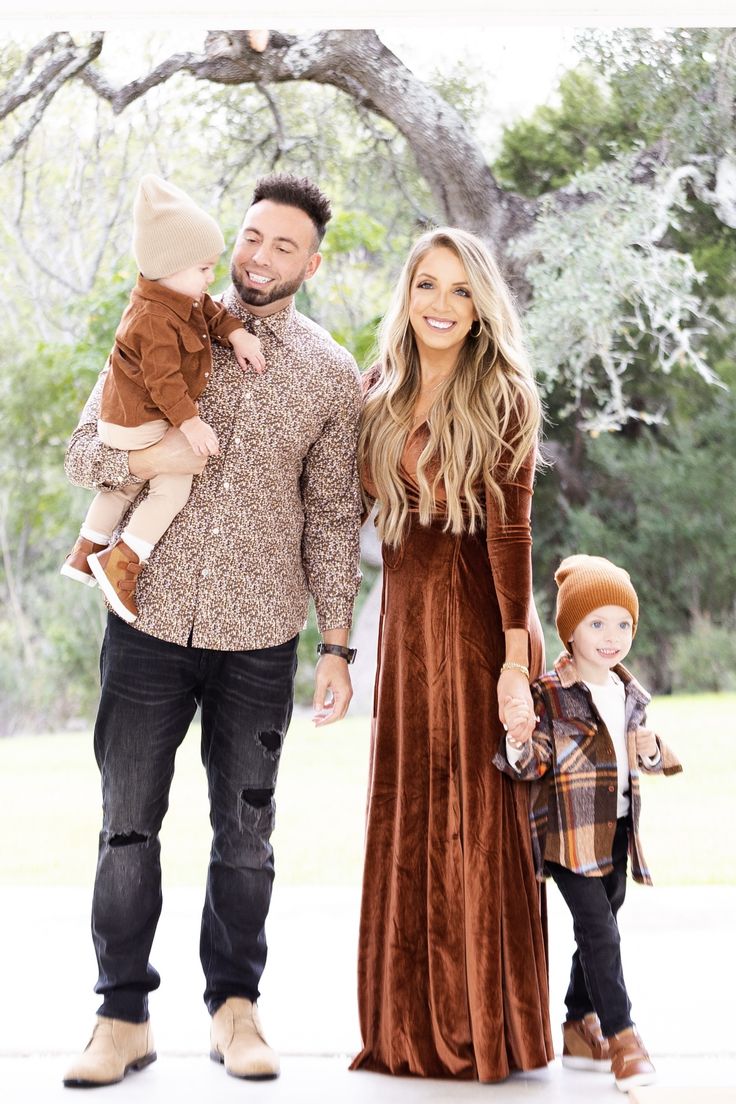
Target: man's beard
(271,293)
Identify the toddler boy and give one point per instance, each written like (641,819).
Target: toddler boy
(584,757)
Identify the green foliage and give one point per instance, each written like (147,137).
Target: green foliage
(672,85)
(664,509)
(604,304)
(354,233)
(547,149)
(613,310)
(704,660)
(50,632)
(463,87)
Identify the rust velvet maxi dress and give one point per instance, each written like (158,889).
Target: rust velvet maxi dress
(452,977)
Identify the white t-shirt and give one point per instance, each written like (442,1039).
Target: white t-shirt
(610,701)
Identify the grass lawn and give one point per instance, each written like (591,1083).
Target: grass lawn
(50,804)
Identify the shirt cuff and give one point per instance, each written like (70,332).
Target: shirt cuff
(335,613)
(514,755)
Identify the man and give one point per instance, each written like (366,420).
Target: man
(272,518)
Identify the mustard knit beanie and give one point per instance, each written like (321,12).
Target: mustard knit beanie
(170,232)
(585,583)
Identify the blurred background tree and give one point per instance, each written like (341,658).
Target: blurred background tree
(613,209)
(651,489)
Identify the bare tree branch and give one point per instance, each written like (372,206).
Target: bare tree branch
(13,97)
(357,63)
(57,72)
(121,98)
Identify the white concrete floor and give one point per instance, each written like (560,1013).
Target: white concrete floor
(677,955)
(328,1081)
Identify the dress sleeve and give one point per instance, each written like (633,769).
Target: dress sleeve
(510,545)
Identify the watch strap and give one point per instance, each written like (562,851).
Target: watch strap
(347,654)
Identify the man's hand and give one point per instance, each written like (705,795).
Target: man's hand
(172,455)
(332,690)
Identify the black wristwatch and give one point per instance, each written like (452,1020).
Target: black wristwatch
(347,654)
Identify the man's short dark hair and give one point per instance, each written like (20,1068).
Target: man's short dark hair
(296,191)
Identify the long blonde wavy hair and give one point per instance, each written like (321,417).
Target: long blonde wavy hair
(487,413)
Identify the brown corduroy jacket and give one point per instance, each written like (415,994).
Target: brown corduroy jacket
(161,361)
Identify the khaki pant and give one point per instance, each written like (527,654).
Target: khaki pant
(167,494)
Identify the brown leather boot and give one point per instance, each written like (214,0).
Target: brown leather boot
(583,1045)
(75,566)
(236,1038)
(630,1063)
(116,1046)
(117,570)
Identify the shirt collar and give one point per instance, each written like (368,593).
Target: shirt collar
(568,675)
(152,290)
(277,324)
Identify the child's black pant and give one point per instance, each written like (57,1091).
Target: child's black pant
(597,978)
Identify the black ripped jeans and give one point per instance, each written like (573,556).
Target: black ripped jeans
(150,692)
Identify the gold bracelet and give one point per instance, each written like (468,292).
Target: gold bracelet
(507,666)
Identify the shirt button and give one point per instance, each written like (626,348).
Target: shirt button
(216,530)
(247,394)
(205,571)
(206,375)
(611,789)
(226,486)
(236,440)
(204,337)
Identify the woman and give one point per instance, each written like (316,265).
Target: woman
(452,972)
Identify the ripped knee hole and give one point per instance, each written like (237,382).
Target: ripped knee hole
(257,799)
(127,839)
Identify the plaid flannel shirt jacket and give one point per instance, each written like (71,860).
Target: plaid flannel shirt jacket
(571,764)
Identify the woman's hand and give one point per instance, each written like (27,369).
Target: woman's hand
(514,685)
(517,721)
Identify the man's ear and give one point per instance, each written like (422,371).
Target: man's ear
(312,265)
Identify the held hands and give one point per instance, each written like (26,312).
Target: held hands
(247,349)
(201,437)
(646,744)
(518,717)
(515,705)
